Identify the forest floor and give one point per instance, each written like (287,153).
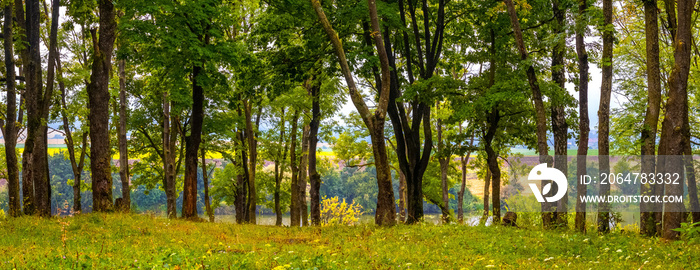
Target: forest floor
(120,241)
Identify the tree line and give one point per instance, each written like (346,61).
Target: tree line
(166,85)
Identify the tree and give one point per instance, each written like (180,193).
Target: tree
(604,114)
(205,177)
(651,117)
(9,126)
(583,127)
(460,195)
(121,137)
(98,100)
(314,89)
(675,123)
(414,157)
(559,125)
(385,214)
(542,148)
(204,47)
(36,186)
(68,115)
(295,200)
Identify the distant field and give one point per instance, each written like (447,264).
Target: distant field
(570,152)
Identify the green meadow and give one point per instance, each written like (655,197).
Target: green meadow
(126,241)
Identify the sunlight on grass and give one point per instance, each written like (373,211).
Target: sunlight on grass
(118,241)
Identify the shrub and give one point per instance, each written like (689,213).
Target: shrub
(690,232)
(334,212)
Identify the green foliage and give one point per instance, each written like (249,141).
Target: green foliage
(335,212)
(690,232)
(4,197)
(223,185)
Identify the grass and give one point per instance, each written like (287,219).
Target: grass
(116,241)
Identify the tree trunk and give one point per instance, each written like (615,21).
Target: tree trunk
(34,159)
(444,163)
(314,176)
(386,212)
(582,151)
(294,205)
(487,187)
(402,197)
(241,200)
(29,60)
(279,174)
(460,196)
(205,178)
(253,155)
(169,139)
(492,161)
(303,170)
(675,124)
(691,178)
(651,117)
(540,119)
(604,115)
(121,133)
(189,194)
(98,97)
(559,126)
(10,126)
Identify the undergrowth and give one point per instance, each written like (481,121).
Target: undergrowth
(118,241)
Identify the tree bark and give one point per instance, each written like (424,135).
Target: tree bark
(487,187)
(583,127)
(205,178)
(314,176)
(121,133)
(559,126)
(604,115)
(303,173)
(34,158)
(10,126)
(675,124)
(241,200)
(691,178)
(189,194)
(402,197)
(492,161)
(253,156)
(651,117)
(444,163)
(98,96)
(294,205)
(28,199)
(280,157)
(460,195)
(169,139)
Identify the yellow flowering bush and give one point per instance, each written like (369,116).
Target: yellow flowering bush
(335,212)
